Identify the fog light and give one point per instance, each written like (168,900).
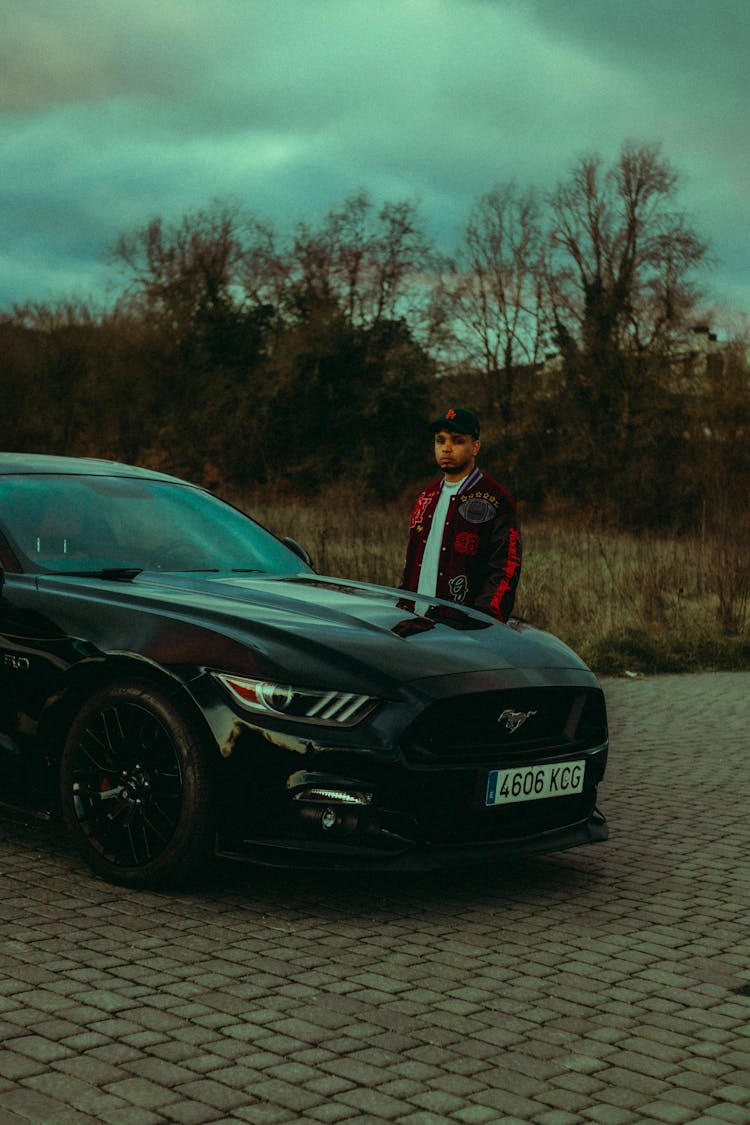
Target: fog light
(328,819)
(342,796)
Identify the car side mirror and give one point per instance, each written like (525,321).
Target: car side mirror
(299,550)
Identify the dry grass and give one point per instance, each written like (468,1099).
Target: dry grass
(624,602)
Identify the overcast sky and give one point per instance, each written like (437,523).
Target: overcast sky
(113,112)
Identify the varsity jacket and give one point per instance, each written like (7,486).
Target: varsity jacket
(480,555)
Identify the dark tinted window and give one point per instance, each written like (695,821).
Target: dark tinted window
(74,523)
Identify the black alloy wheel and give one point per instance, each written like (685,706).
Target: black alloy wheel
(135,788)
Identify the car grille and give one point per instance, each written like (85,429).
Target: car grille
(477,729)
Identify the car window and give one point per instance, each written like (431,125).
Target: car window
(74,523)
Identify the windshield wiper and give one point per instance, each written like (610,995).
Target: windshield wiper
(112,573)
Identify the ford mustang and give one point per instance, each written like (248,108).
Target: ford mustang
(179,684)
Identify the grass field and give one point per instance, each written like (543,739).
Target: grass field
(625,603)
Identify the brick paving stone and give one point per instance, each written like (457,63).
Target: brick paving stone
(570,1101)
(611,1115)
(282,1044)
(416,1069)
(141,1039)
(85,1041)
(40,1048)
(119,1054)
(238,1076)
(97,1103)
(211,1092)
(438,1101)
(459,1085)
(64,1087)
(509,1102)
(131,1115)
(15,1066)
(112,1029)
(622,1097)
(374,1103)
(557,1117)
(330,1113)
(192,1113)
(360,1073)
(173,1051)
(476,1115)
(141,1092)
(161,1072)
(715,1067)
(737,1094)
(465,1066)
(255,1060)
(669,1112)
(31,1104)
(264,1114)
(580,1083)
(734,1114)
(91,1070)
(328,1085)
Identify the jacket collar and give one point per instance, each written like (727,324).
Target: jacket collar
(468,482)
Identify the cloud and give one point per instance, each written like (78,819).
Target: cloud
(54,52)
(111,113)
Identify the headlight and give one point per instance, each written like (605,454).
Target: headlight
(329,708)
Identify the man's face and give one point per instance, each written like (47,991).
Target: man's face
(455,453)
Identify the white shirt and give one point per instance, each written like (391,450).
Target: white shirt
(428,575)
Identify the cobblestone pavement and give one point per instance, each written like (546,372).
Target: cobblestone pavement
(606,984)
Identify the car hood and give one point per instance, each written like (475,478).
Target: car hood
(357,628)
(304,629)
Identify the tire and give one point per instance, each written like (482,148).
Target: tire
(136,790)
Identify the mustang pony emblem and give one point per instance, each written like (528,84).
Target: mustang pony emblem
(514,719)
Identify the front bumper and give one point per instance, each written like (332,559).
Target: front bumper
(413,856)
(391,816)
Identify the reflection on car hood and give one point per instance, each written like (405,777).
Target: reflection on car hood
(398,633)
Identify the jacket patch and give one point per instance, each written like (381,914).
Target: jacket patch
(477,510)
(466,543)
(459,587)
(421,506)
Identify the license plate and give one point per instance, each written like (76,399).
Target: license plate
(534,783)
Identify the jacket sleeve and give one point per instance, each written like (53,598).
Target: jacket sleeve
(498,590)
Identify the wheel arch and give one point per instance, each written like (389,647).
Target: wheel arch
(92,676)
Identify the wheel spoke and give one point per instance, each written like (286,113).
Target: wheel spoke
(127,785)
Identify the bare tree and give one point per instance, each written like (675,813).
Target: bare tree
(492,293)
(185,272)
(368,265)
(620,277)
(622,258)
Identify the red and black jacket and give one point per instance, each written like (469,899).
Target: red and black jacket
(480,556)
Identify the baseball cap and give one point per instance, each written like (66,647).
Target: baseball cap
(457,420)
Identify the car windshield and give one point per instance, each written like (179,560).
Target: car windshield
(80,524)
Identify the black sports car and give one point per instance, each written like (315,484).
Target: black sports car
(180,684)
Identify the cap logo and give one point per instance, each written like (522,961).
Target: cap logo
(450,414)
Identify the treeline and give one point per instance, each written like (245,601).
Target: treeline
(243,358)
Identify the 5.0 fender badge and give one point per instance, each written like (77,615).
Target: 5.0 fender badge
(514,719)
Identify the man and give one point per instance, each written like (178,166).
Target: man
(464,540)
